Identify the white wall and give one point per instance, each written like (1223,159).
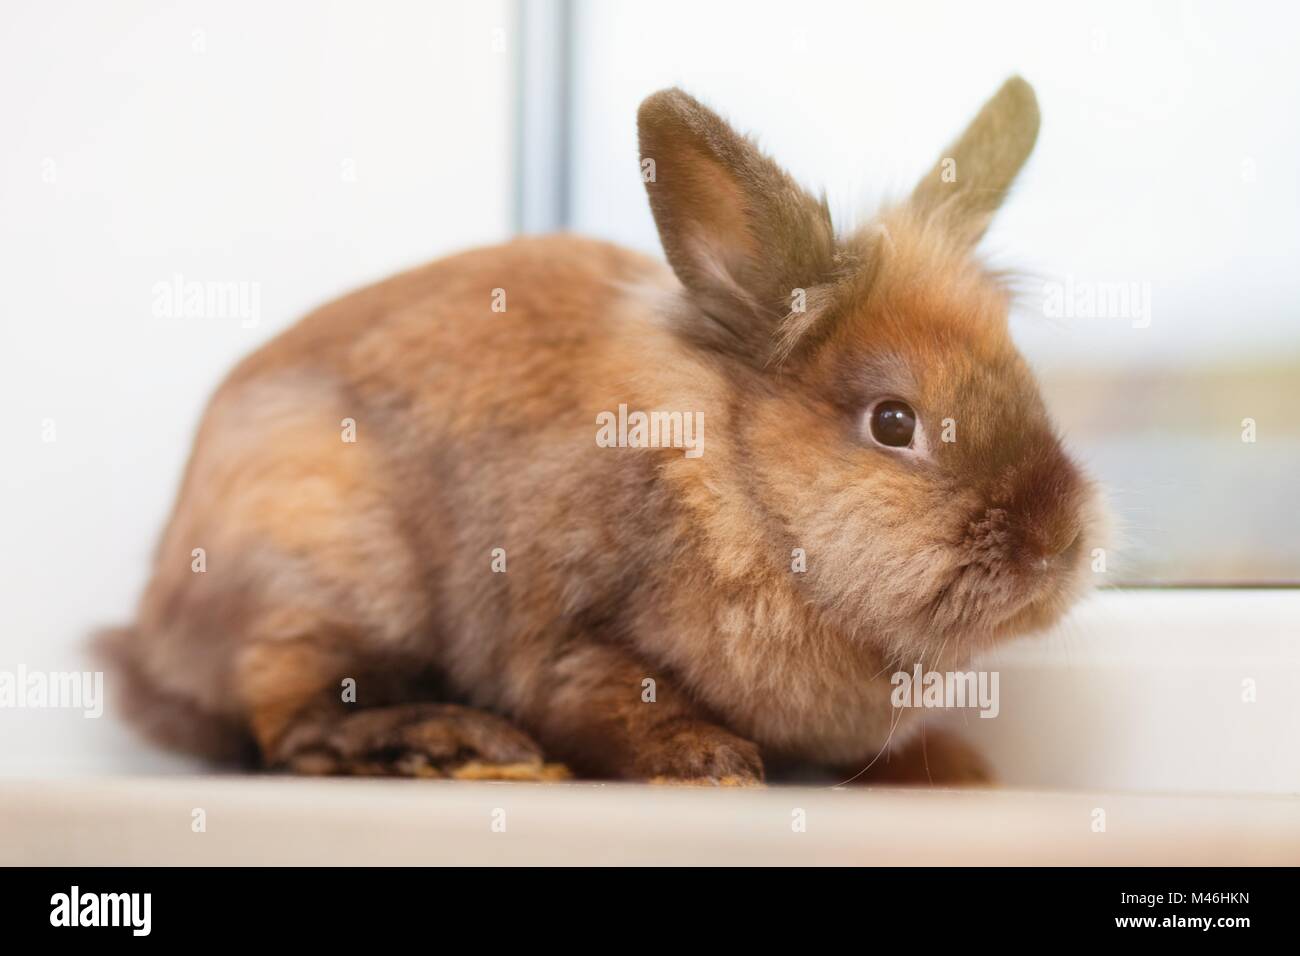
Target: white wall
(1168,152)
(304,147)
(1161,690)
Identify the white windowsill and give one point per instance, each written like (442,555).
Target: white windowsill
(1134,707)
(141,821)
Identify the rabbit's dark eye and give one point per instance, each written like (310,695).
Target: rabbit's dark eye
(893,424)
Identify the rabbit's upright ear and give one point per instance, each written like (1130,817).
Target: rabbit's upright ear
(739,232)
(972,177)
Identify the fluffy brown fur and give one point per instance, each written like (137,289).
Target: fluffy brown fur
(476,430)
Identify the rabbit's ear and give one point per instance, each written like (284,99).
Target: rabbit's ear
(972,177)
(739,232)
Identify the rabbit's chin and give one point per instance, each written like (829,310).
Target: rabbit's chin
(981,608)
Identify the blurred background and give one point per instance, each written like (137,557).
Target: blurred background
(289,152)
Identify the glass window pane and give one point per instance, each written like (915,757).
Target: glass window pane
(1155,234)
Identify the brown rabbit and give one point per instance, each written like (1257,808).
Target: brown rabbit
(444,493)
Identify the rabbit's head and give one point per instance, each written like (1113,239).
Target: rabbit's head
(890,429)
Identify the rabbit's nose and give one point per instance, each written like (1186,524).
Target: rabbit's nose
(1049,531)
(1041,498)
(1062,545)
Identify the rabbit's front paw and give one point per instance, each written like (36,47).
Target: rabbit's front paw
(694,752)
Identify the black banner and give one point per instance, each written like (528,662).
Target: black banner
(333,905)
